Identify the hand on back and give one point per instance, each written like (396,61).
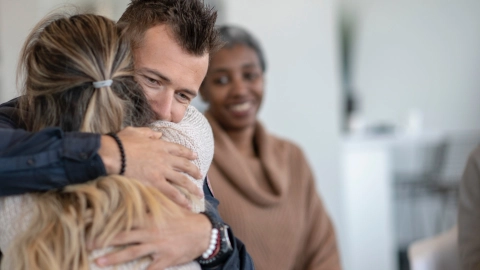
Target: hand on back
(152,161)
(177,240)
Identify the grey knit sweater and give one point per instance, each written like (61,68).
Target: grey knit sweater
(193,132)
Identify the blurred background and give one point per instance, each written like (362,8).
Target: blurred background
(381,95)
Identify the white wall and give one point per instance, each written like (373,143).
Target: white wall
(13,31)
(302,100)
(418,54)
(18,17)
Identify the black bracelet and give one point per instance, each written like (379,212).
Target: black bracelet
(122,151)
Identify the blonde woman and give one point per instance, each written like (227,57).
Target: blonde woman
(78,76)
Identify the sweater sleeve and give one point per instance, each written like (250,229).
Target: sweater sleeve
(320,251)
(469,214)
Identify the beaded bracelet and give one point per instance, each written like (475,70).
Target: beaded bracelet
(122,152)
(213,244)
(213,238)
(220,247)
(222,251)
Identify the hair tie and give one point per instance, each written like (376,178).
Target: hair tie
(101,84)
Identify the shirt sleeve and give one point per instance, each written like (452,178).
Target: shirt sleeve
(240,259)
(47,159)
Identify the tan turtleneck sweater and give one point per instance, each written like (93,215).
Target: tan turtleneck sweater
(271,203)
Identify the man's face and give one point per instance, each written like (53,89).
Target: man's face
(169,76)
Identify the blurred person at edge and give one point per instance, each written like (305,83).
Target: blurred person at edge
(265,184)
(469,213)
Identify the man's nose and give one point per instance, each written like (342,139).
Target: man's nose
(164,107)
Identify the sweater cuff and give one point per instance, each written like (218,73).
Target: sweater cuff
(82,161)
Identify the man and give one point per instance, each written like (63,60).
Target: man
(171,42)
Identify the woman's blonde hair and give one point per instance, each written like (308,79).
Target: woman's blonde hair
(60,60)
(68,219)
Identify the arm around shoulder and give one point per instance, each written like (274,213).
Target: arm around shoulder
(46,160)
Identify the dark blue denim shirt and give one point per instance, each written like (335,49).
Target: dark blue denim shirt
(51,159)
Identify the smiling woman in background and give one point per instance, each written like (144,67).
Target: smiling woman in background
(265,184)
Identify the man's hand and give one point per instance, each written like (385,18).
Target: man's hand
(176,241)
(152,161)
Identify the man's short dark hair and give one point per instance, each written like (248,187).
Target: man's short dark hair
(192,23)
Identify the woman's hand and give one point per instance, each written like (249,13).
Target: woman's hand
(152,161)
(177,240)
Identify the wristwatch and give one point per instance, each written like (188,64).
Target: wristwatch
(225,248)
